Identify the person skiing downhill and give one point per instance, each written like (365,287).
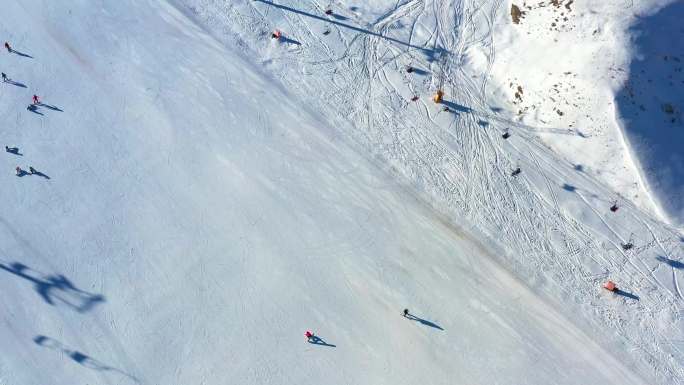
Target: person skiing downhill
(19,171)
(308,335)
(9,49)
(4,77)
(35,99)
(406,313)
(32,170)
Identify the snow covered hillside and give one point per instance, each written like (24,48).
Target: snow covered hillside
(204,194)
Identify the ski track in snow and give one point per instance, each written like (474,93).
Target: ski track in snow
(459,162)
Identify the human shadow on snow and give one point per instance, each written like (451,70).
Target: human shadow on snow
(19,53)
(316,340)
(626,294)
(671,262)
(78,357)
(55,287)
(33,108)
(423,321)
(54,108)
(456,107)
(18,84)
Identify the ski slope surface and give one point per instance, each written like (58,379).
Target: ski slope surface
(205,194)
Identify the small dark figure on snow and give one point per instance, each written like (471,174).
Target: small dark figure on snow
(4,77)
(326,32)
(9,49)
(614,207)
(627,246)
(506,135)
(32,170)
(35,99)
(276,34)
(406,313)
(413,99)
(328,12)
(409,69)
(516,171)
(12,150)
(20,172)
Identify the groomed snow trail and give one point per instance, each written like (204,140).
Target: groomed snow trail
(551,222)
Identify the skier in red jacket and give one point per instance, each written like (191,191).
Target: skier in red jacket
(35,99)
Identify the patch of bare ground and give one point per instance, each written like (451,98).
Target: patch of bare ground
(516,14)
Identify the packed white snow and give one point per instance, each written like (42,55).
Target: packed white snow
(203,194)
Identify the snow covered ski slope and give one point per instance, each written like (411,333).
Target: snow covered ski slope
(207,194)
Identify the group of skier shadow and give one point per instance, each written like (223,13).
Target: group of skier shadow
(55,288)
(317,340)
(34,107)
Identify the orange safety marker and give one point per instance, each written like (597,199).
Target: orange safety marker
(610,285)
(438,97)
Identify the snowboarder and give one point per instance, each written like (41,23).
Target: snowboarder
(32,170)
(20,172)
(4,77)
(9,49)
(406,313)
(35,99)
(309,335)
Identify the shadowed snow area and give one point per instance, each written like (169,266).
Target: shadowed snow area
(652,105)
(192,213)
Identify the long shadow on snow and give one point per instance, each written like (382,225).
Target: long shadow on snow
(78,357)
(14,51)
(651,105)
(12,82)
(55,287)
(316,340)
(34,109)
(429,52)
(424,321)
(456,107)
(54,108)
(626,294)
(671,262)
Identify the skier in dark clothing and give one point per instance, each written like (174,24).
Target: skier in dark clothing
(35,99)
(406,313)
(9,49)
(32,170)
(4,77)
